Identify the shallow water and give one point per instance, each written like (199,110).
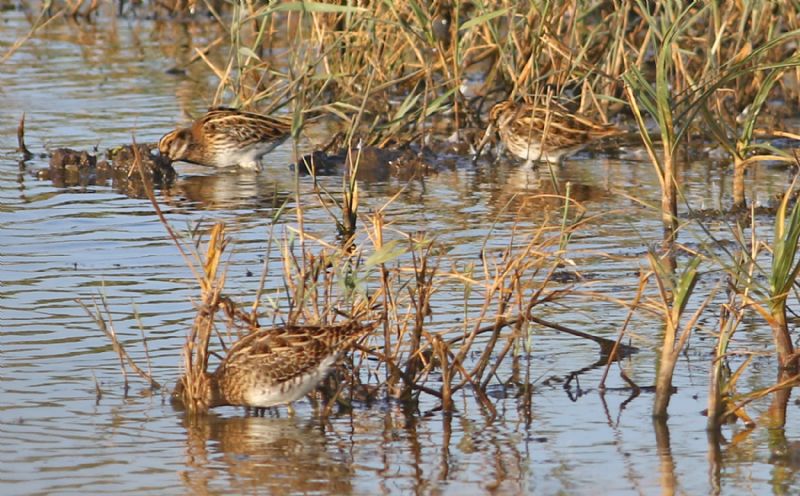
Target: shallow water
(86,85)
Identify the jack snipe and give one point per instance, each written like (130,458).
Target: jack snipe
(274,366)
(226,137)
(546,132)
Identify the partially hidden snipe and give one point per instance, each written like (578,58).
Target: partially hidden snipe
(274,366)
(546,132)
(226,137)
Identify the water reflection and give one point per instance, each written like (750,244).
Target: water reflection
(223,189)
(518,190)
(715,462)
(403,451)
(228,189)
(262,454)
(429,454)
(666,466)
(784,454)
(785,461)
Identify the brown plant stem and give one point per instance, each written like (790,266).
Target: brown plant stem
(124,357)
(739,201)
(26,154)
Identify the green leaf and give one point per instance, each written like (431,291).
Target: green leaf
(436,104)
(784,269)
(758,103)
(318,7)
(408,103)
(388,252)
(719,131)
(247,52)
(483,18)
(684,289)
(422,18)
(769,151)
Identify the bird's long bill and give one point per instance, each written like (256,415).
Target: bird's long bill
(486,136)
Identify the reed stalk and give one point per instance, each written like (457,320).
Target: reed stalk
(674,297)
(783,274)
(657,99)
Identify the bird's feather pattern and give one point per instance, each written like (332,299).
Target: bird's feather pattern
(280,358)
(547,131)
(226,137)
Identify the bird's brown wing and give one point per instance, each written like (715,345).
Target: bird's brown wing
(245,127)
(558,127)
(286,352)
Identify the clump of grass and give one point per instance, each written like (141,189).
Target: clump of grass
(722,385)
(782,276)
(193,386)
(405,274)
(512,283)
(674,292)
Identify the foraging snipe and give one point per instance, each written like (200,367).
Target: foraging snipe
(275,366)
(546,132)
(226,137)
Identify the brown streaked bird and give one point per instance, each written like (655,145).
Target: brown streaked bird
(275,366)
(546,132)
(226,137)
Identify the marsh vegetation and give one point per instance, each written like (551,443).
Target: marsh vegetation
(483,272)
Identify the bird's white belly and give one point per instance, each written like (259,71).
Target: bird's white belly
(292,390)
(249,157)
(532,152)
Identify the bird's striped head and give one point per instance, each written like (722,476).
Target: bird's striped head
(501,113)
(175,144)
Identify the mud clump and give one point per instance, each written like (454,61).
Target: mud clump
(370,163)
(69,168)
(69,159)
(156,167)
(126,176)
